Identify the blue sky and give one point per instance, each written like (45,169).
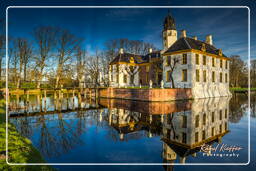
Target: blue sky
(229,26)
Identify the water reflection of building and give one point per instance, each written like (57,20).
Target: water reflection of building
(132,117)
(152,108)
(124,121)
(185,132)
(183,128)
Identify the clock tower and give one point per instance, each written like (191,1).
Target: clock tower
(169,32)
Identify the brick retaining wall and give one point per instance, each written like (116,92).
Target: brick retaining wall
(147,107)
(146,94)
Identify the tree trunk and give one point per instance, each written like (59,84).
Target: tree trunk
(173,86)
(57,82)
(40,76)
(19,77)
(18,82)
(59,70)
(79,83)
(132,80)
(38,84)
(25,72)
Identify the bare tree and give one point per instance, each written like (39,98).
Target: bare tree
(92,68)
(253,73)
(104,68)
(13,61)
(172,62)
(238,71)
(24,51)
(129,46)
(80,65)
(111,49)
(132,71)
(67,43)
(28,52)
(45,38)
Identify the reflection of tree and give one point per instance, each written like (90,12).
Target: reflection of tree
(81,123)
(253,104)
(170,120)
(131,116)
(47,141)
(54,141)
(67,137)
(56,134)
(24,127)
(238,106)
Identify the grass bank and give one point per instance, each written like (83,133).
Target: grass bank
(20,149)
(240,89)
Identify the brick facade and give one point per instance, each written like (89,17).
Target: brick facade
(146,94)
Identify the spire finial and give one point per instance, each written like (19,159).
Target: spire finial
(169,22)
(169,12)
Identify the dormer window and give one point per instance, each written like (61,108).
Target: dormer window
(131,60)
(220,52)
(203,48)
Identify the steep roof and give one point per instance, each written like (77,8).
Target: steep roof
(155,54)
(126,57)
(186,43)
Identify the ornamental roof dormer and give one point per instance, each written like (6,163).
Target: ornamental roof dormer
(220,52)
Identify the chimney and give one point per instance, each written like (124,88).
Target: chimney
(195,37)
(209,39)
(183,33)
(121,51)
(150,50)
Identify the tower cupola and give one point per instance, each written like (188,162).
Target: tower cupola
(169,32)
(169,23)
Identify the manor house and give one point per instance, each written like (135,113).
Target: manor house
(184,62)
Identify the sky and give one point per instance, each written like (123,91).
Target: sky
(228,26)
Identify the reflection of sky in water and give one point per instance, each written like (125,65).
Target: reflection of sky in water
(96,135)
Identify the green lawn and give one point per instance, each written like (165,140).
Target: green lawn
(241,89)
(20,149)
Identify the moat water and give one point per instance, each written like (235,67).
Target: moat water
(79,130)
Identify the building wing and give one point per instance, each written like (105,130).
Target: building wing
(127,58)
(152,55)
(186,43)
